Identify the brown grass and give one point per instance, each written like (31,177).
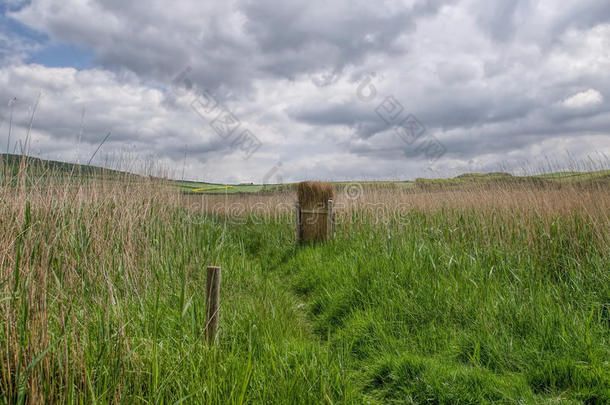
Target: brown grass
(542,201)
(382,204)
(45,272)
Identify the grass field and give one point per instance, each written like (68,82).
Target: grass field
(464,180)
(483,292)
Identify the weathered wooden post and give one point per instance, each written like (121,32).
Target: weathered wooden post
(314,212)
(212,287)
(297,222)
(330,223)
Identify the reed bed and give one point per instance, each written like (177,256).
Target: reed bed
(467,294)
(384,205)
(60,247)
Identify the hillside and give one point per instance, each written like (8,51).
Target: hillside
(61,172)
(54,166)
(51,172)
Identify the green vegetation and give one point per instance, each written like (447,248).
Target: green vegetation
(188,187)
(101,296)
(40,167)
(445,307)
(42,173)
(506,179)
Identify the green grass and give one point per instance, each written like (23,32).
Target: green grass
(506,179)
(136,328)
(421,314)
(210,188)
(102,300)
(438,308)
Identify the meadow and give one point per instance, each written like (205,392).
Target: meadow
(478,292)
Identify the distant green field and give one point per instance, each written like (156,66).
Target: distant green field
(477,179)
(212,188)
(419,183)
(61,172)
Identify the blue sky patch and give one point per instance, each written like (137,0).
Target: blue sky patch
(62,55)
(48,52)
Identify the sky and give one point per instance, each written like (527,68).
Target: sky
(270,91)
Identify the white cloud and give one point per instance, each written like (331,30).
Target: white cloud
(491,81)
(584,99)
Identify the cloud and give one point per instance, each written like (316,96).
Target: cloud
(77,108)
(584,99)
(490,80)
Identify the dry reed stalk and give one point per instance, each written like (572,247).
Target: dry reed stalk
(39,222)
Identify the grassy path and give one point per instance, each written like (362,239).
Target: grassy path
(447,310)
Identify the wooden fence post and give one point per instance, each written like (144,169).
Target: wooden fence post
(297,222)
(329,217)
(213,274)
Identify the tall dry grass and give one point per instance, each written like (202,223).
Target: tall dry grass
(59,244)
(385,204)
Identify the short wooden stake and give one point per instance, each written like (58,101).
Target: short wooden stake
(329,218)
(297,222)
(212,288)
